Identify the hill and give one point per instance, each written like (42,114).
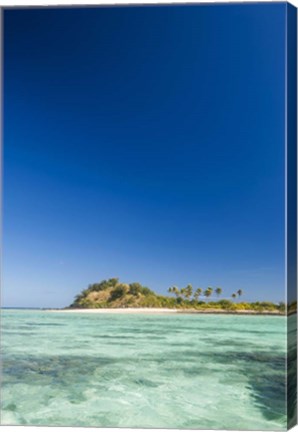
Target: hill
(112,293)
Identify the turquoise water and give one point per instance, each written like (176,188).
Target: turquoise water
(150,371)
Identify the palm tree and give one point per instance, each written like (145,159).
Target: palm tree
(234,295)
(176,291)
(218,291)
(240,292)
(183,293)
(197,293)
(208,292)
(188,291)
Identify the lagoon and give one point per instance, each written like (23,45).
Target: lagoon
(152,371)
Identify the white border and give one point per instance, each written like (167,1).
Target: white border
(52,3)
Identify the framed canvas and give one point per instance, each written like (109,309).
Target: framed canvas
(150,216)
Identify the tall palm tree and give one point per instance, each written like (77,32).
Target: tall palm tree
(170,290)
(197,293)
(183,293)
(176,291)
(218,291)
(240,292)
(188,291)
(208,292)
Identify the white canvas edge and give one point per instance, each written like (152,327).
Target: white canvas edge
(25,3)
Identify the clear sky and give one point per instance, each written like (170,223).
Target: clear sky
(145,143)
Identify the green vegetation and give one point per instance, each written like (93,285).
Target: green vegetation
(114,294)
(218,291)
(208,292)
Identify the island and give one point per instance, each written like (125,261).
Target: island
(111,295)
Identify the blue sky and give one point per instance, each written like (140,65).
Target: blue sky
(145,143)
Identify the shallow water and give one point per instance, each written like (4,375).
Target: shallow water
(150,371)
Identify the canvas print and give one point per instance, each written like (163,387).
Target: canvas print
(149,216)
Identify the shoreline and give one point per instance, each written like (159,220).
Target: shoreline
(165,311)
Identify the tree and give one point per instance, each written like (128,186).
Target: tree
(197,293)
(208,292)
(113,281)
(117,292)
(240,292)
(225,304)
(218,291)
(183,292)
(175,290)
(281,306)
(188,291)
(146,291)
(135,288)
(234,295)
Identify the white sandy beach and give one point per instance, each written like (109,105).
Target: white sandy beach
(117,310)
(161,311)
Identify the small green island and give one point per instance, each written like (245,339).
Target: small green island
(113,294)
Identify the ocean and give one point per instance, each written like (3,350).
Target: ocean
(144,371)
